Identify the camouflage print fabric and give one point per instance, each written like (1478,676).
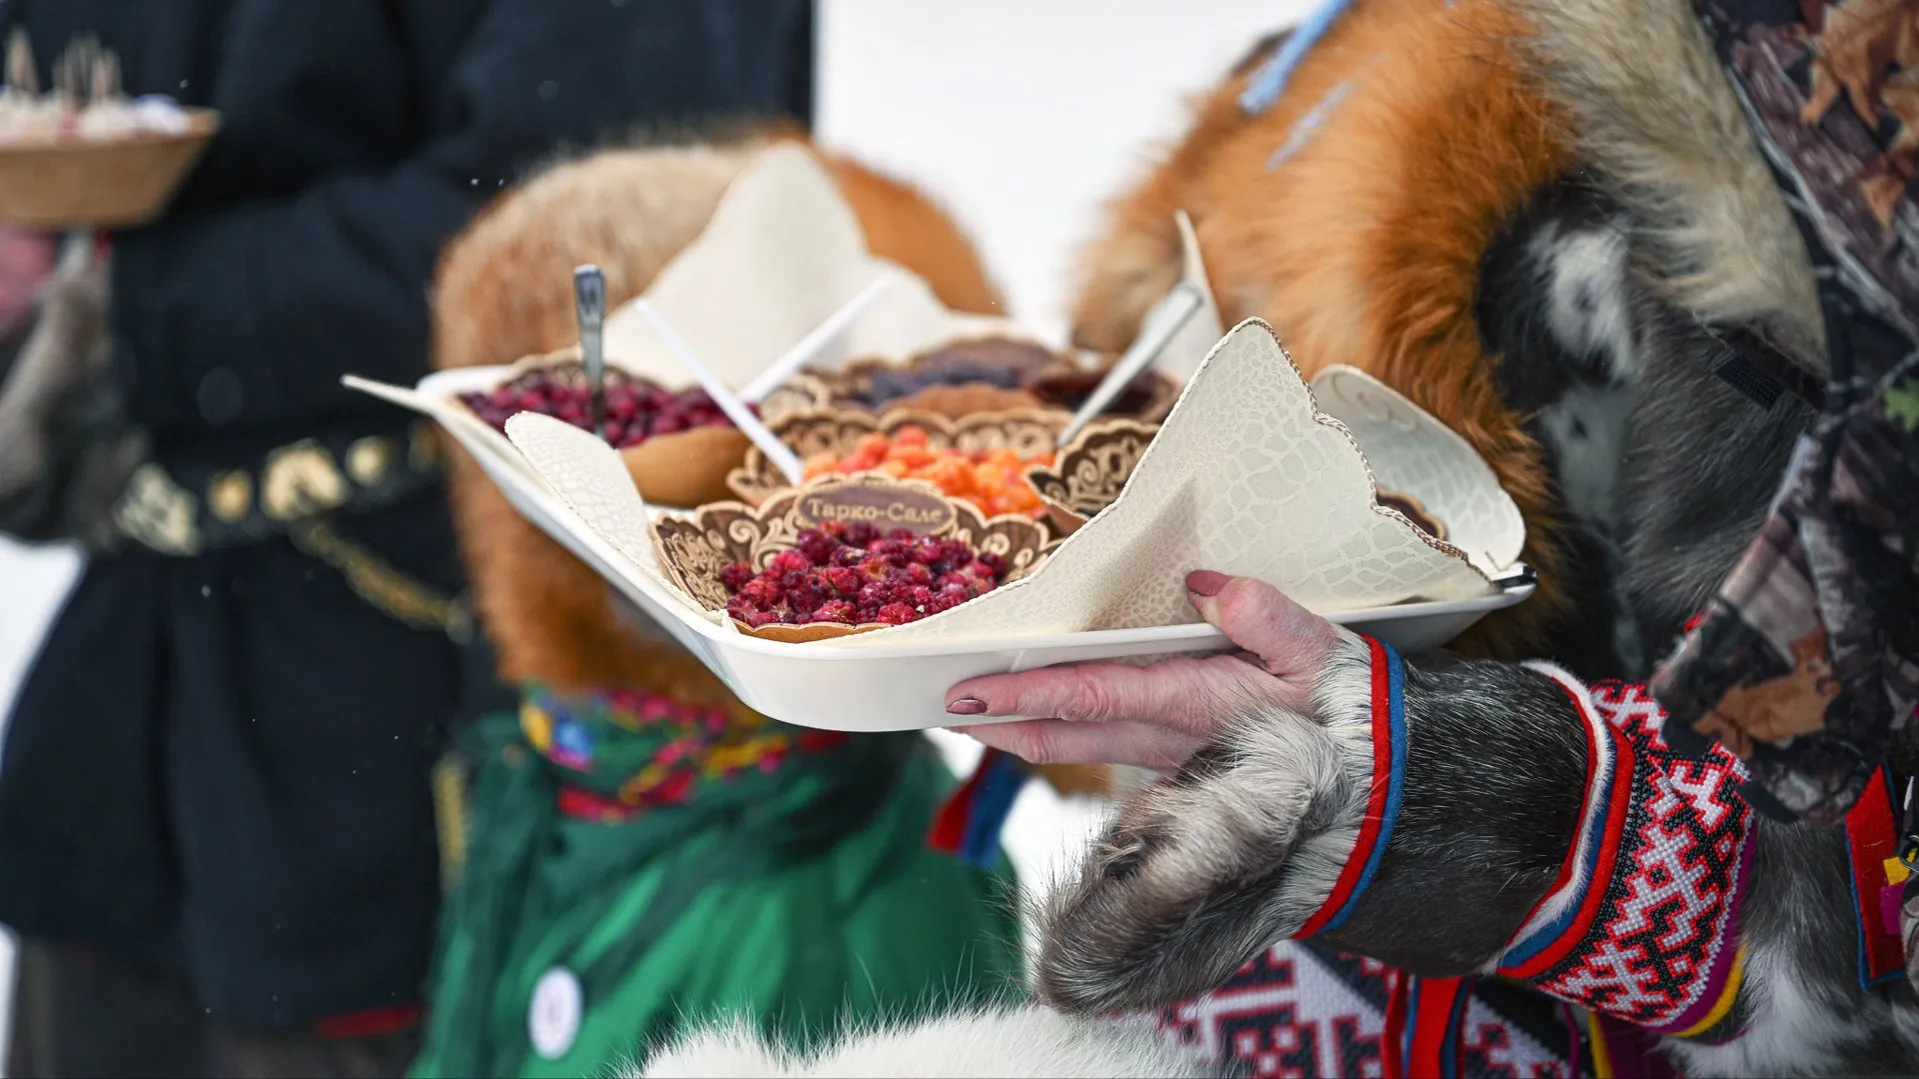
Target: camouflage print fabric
(1806,662)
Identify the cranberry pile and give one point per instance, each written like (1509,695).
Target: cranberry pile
(635,411)
(854,575)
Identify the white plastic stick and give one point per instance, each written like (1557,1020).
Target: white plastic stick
(735,409)
(818,338)
(1156,331)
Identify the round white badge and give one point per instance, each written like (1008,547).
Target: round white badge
(553,1021)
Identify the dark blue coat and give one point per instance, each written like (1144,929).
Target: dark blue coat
(219,763)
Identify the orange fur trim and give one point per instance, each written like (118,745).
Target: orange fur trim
(504,290)
(1363,246)
(902,225)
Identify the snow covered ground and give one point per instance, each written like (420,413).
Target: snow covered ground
(1020,117)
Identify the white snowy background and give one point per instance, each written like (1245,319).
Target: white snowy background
(1020,116)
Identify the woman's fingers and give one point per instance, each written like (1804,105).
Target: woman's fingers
(1052,741)
(1289,639)
(1157,716)
(1184,694)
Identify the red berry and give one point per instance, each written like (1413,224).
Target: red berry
(635,411)
(842,581)
(817,547)
(850,574)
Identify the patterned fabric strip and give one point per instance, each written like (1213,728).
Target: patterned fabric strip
(1426,1039)
(1620,1049)
(1568,910)
(968,823)
(1382,808)
(1301,1012)
(623,753)
(1644,926)
(1872,841)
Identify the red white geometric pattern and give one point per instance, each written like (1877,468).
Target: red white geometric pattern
(1659,951)
(1291,1013)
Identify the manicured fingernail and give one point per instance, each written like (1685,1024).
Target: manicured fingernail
(1204,582)
(967,706)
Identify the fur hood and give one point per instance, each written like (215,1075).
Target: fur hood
(1654,117)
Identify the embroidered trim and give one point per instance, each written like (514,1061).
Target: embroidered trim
(1561,916)
(184,509)
(1872,847)
(1602,1055)
(1642,926)
(968,823)
(383,587)
(1388,783)
(639,751)
(1430,1044)
(449,815)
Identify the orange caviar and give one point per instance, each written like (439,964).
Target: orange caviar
(995,480)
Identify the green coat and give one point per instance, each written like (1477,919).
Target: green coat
(797,888)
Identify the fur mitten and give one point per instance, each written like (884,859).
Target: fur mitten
(67,447)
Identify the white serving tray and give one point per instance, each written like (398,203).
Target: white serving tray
(877,688)
(904,687)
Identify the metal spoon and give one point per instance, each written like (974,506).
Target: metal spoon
(589,306)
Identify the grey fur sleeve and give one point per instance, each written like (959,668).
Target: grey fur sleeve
(1482,739)
(1240,846)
